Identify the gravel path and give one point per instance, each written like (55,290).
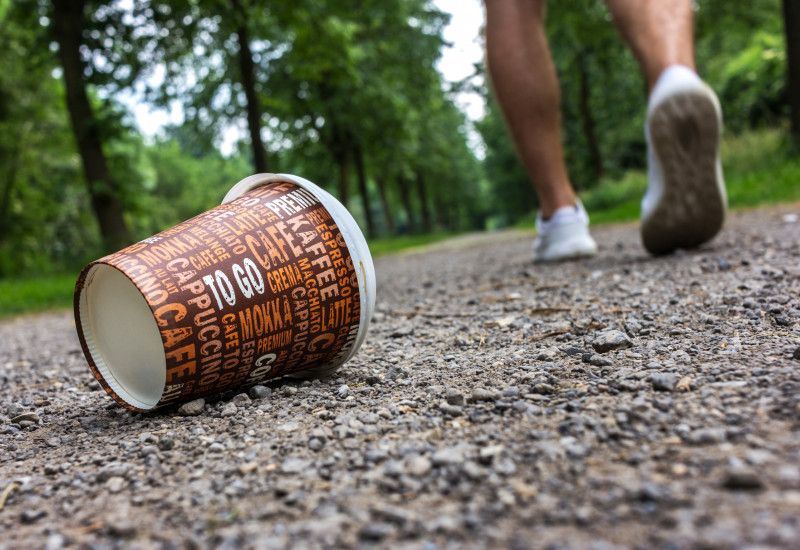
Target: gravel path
(618,402)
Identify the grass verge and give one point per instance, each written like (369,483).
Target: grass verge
(36,294)
(757,171)
(381,247)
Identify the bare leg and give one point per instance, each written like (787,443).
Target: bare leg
(659,32)
(526,86)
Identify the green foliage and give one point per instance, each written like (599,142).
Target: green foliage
(512,195)
(183,186)
(757,170)
(742,55)
(43,209)
(614,200)
(28,295)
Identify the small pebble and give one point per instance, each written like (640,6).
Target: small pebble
(216,448)
(741,477)
(123,528)
(241,400)
(375,531)
(452,410)
(192,408)
(419,466)
(260,392)
(664,381)
(32,516)
(148,450)
(611,340)
(482,394)
(29,418)
(599,361)
(448,456)
(115,484)
(572,351)
(454,396)
(229,409)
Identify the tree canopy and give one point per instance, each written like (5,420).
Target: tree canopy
(343,92)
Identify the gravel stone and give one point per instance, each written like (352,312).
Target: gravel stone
(453,396)
(216,448)
(599,361)
(192,408)
(419,466)
(30,418)
(260,392)
(740,477)
(448,457)
(375,531)
(113,469)
(482,394)
(295,465)
(32,516)
(115,484)
(452,410)
(241,400)
(611,340)
(688,439)
(229,409)
(664,381)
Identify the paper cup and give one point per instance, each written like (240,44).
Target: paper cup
(278,280)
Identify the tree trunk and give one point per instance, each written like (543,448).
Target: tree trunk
(423,204)
(104,191)
(380,181)
(443,214)
(362,188)
(405,197)
(344,176)
(791,20)
(260,160)
(11,176)
(587,120)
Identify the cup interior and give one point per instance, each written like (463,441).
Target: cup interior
(122,336)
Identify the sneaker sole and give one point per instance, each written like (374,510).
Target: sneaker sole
(685,134)
(565,257)
(574,249)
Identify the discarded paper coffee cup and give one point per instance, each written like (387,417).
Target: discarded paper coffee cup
(277,280)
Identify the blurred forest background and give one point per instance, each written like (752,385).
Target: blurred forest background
(344,93)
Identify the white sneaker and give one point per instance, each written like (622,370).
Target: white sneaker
(686,200)
(564,236)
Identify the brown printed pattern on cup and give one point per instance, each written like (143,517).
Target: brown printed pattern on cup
(253,289)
